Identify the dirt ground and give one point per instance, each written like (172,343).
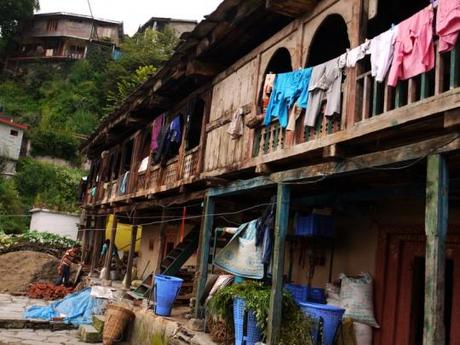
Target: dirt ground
(19,269)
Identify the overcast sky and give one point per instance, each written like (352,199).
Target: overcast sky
(134,13)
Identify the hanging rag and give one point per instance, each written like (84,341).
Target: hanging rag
(288,88)
(241,257)
(325,83)
(267,90)
(124,183)
(382,50)
(156,130)
(356,54)
(144,165)
(414,48)
(265,232)
(235,129)
(162,145)
(448,24)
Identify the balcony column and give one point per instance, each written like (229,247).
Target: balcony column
(281,228)
(132,250)
(436,218)
(109,255)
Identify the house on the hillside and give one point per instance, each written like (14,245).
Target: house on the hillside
(179,26)
(374,155)
(12,144)
(60,223)
(62,36)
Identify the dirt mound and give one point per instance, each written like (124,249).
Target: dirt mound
(19,269)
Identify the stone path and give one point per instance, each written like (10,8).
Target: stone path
(12,307)
(38,337)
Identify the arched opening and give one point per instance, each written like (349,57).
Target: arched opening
(280,62)
(392,12)
(197,107)
(330,40)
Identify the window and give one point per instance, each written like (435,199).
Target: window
(195,123)
(52,25)
(14,133)
(127,157)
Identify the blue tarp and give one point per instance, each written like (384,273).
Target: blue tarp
(77,308)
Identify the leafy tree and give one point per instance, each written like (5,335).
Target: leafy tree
(12,13)
(10,206)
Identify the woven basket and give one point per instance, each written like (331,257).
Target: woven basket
(116,320)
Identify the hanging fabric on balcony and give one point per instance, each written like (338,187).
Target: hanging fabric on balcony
(156,130)
(236,127)
(448,24)
(325,83)
(356,54)
(267,91)
(414,48)
(288,88)
(382,50)
(169,140)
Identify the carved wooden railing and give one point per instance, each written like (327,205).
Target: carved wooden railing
(374,99)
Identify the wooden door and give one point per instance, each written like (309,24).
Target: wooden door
(400,289)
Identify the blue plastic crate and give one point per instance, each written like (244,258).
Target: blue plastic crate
(298,292)
(316,295)
(315,225)
(250,334)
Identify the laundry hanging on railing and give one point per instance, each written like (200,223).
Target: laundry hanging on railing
(356,54)
(381,50)
(288,88)
(236,127)
(267,90)
(325,83)
(156,130)
(170,140)
(448,24)
(414,48)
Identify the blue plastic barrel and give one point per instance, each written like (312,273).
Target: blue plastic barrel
(331,317)
(249,335)
(166,290)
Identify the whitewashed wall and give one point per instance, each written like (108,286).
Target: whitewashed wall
(63,224)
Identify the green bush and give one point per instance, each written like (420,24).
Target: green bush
(11,208)
(54,143)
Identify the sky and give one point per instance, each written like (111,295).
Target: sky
(133,13)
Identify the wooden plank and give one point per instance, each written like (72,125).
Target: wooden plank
(132,250)
(281,229)
(367,97)
(439,73)
(412,91)
(109,254)
(452,118)
(205,236)
(290,8)
(238,186)
(436,217)
(401,154)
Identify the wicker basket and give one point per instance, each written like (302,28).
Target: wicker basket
(116,320)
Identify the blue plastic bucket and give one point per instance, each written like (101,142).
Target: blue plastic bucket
(249,335)
(298,292)
(316,295)
(331,317)
(166,290)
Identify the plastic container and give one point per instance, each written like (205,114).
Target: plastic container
(302,293)
(166,290)
(315,225)
(298,292)
(331,317)
(249,335)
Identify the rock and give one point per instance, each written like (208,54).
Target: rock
(89,334)
(98,322)
(196,325)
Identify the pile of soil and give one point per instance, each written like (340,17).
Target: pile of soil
(20,269)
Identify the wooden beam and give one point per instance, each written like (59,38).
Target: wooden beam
(205,237)
(445,143)
(109,254)
(436,217)
(290,8)
(202,69)
(132,250)
(452,118)
(239,186)
(281,228)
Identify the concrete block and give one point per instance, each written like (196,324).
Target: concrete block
(89,334)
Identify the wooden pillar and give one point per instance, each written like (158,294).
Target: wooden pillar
(108,257)
(163,226)
(97,237)
(436,216)
(281,227)
(84,241)
(205,237)
(132,250)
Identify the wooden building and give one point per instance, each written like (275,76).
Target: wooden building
(386,165)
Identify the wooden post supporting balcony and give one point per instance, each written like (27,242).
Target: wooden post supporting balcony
(163,225)
(281,227)
(436,230)
(109,254)
(96,244)
(205,237)
(132,250)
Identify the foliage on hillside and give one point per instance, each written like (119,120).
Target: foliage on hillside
(62,102)
(10,206)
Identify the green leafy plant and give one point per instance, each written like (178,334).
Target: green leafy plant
(295,326)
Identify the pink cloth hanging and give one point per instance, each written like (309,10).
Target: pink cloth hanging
(448,24)
(156,129)
(414,49)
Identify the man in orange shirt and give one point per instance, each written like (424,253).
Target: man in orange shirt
(71,256)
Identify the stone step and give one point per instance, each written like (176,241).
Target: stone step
(89,334)
(98,322)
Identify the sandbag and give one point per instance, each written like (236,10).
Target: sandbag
(356,297)
(363,333)
(333,295)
